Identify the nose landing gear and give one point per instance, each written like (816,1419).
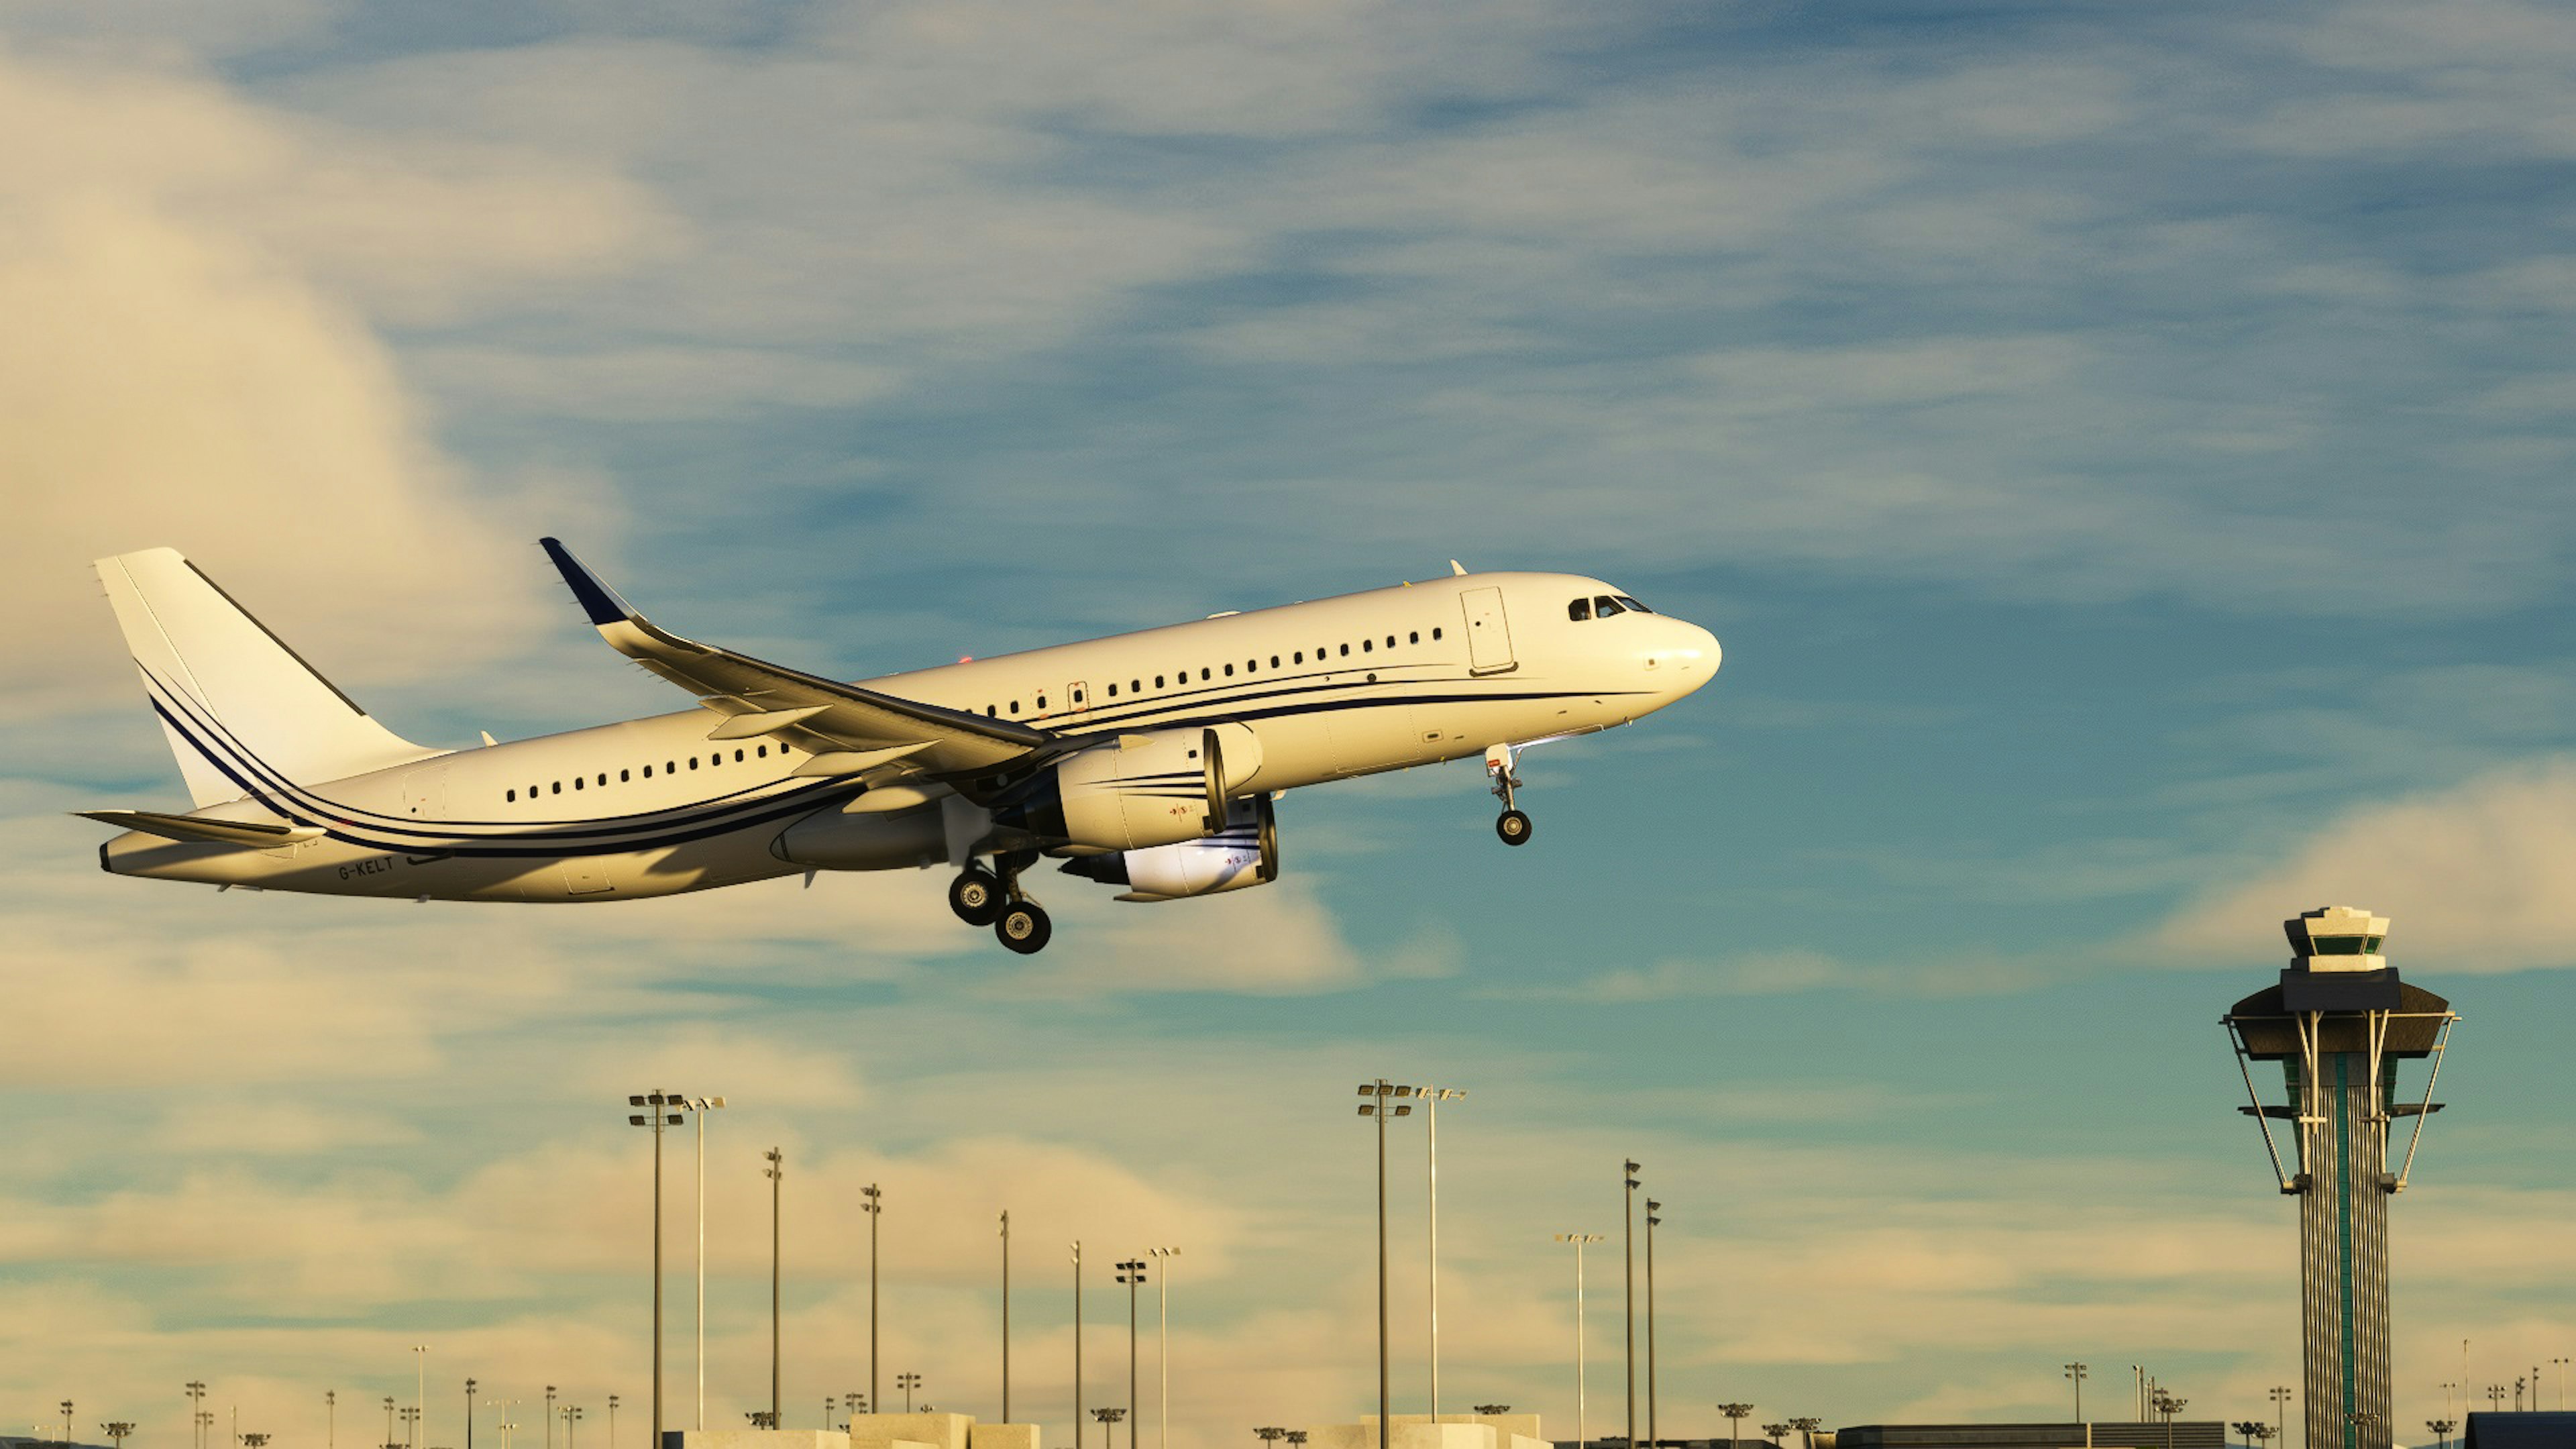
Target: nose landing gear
(993,898)
(1512,825)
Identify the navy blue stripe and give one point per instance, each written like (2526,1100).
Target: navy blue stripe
(703,824)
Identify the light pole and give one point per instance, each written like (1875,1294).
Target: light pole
(1432,1097)
(1132,1274)
(2441,1430)
(776,1172)
(196,1391)
(1778,1432)
(907,1382)
(872,1202)
(664,1114)
(1652,1222)
(2281,1410)
(505,1424)
(2561,1365)
(1077,1341)
(469,1417)
(1735,1414)
(612,1423)
(390,1440)
(1582,1408)
(1380,1108)
(117,1431)
(1628,1249)
(1108,1424)
(410,1418)
(330,1419)
(1270,1434)
(420,1391)
(701,1106)
(67,1421)
(572,1421)
(1163,1347)
(1006,1315)
(550,1396)
(1807,1430)
(2076,1372)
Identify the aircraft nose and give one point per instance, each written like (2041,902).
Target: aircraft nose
(1692,654)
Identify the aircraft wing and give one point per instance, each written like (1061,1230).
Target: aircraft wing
(848,730)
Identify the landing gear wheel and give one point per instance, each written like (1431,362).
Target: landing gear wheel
(1023,926)
(976,896)
(1514,827)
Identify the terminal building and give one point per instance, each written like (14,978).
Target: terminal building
(2180,1434)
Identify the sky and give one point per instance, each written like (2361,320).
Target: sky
(2124,450)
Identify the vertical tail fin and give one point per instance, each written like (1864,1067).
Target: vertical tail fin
(243,711)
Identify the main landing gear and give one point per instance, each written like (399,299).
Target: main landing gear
(1512,825)
(983,897)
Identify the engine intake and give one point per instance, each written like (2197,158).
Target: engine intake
(1244,854)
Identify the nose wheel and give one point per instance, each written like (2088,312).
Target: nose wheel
(1513,825)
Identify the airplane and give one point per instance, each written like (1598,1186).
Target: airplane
(1148,761)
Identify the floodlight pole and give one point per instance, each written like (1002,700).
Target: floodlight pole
(1131,1273)
(1628,1249)
(1006,1315)
(872,1202)
(1652,1222)
(661,1115)
(1582,1408)
(777,1174)
(1432,1097)
(701,1106)
(1163,1347)
(1380,1107)
(1077,1339)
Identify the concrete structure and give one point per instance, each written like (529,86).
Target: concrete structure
(2520,1431)
(1417,1431)
(869,1431)
(2185,1434)
(2338,1023)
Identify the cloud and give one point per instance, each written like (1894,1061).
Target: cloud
(2473,877)
(190,361)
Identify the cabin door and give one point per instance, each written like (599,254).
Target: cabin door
(1489,634)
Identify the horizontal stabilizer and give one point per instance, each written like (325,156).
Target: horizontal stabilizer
(196,830)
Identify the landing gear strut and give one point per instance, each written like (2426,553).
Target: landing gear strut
(1512,825)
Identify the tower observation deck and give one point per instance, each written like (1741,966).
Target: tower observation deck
(2339,1022)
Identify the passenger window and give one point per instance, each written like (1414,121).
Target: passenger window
(693,762)
(603,779)
(1274,661)
(1113,689)
(1041,701)
(992,712)
(1346,651)
(625,778)
(559,786)
(514,795)
(1368,646)
(1435,633)
(1015,706)
(1229,671)
(1077,694)
(669,769)
(648,772)
(576,782)
(1415,637)
(1301,656)
(1390,641)
(1580,611)
(1203,674)
(764,752)
(1605,606)
(715,759)
(737,757)
(1135,686)
(1158,681)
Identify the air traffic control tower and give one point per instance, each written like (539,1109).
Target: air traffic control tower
(2339,1023)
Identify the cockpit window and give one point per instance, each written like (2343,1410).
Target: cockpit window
(1634,605)
(1579,610)
(1605,606)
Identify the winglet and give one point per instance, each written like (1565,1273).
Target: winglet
(1456,568)
(597,599)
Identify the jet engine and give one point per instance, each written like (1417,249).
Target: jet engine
(1158,787)
(1245,853)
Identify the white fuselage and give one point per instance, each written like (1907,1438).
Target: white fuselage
(1334,688)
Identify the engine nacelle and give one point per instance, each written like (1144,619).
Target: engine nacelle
(1160,787)
(1245,853)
